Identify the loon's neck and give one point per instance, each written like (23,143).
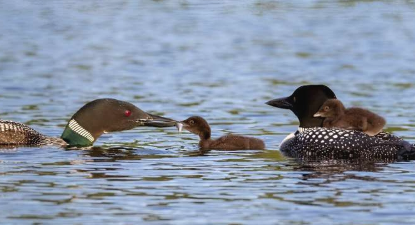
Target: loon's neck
(302,129)
(205,143)
(308,121)
(75,135)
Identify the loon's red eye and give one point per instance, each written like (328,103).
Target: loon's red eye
(127,113)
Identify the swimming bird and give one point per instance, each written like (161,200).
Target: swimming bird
(312,141)
(199,126)
(86,125)
(336,115)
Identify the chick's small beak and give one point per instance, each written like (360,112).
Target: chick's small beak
(182,125)
(318,114)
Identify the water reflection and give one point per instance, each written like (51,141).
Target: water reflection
(98,154)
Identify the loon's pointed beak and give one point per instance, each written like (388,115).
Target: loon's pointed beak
(317,114)
(183,124)
(283,103)
(158,121)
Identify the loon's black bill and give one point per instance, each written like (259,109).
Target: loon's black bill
(282,103)
(159,121)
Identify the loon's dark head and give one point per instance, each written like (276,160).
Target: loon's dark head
(107,115)
(305,102)
(198,126)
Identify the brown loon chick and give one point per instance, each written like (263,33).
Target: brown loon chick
(336,115)
(86,125)
(198,125)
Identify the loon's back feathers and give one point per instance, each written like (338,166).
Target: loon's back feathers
(331,143)
(12,133)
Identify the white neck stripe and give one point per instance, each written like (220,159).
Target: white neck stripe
(302,129)
(80,130)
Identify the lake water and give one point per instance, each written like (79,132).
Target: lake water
(218,59)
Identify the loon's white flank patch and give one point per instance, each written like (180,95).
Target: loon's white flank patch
(80,130)
(292,135)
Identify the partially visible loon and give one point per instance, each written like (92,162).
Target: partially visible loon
(86,125)
(199,126)
(314,142)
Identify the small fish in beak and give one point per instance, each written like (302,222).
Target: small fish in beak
(179,127)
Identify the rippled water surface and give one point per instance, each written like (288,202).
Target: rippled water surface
(218,59)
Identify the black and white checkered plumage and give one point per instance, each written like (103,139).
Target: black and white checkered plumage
(330,143)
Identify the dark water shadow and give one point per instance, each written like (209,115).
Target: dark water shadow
(330,171)
(116,153)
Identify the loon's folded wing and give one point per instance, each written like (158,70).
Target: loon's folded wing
(12,133)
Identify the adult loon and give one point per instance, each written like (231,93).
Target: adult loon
(199,126)
(314,142)
(86,125)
